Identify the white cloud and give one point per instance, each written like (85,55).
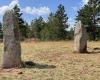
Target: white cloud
(3,9)
(71,23)
(75,8)
(6,7)
(70,19)
(37,11)
(85,1)
(33,11)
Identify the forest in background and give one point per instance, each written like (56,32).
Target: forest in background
(56,26)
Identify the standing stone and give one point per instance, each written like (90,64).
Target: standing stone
(80,38)
(12,48)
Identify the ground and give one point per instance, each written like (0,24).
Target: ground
(55,61)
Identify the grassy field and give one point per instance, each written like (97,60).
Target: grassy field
(55,61)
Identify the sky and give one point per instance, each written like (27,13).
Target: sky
(34,8)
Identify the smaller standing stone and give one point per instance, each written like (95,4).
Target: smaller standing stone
(80,38)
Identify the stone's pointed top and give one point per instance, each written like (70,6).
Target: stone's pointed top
(9,11)
(79,23)
(78,27)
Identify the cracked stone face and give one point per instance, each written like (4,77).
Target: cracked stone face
(12,48)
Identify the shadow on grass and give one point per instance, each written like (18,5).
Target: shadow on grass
(30,64)
(95,50)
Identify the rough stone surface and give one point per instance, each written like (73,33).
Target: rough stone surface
(80,38)
(12,48)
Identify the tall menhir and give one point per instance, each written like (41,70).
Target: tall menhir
(12,48)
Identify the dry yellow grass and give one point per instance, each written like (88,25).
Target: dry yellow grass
(68,65)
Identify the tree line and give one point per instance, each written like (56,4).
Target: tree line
(55,28)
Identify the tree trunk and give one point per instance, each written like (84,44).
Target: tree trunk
(94,35)
(94,31)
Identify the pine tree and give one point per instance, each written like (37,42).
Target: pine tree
(22,24)
(37,26)
(51,31)
(62,17)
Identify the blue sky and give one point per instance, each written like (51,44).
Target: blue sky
(35,8)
